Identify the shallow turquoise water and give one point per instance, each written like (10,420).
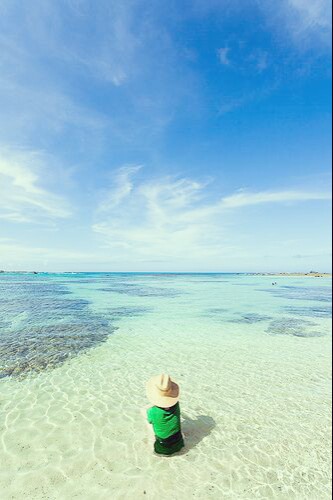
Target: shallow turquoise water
(253,363)
(47,318)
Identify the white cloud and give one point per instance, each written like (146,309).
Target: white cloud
(302,21)
(16,255)
(170,218)
(313,13)
(244,198)
(102,51)
(223,55)
(55,58)
(150,222)
(306,21)
(21,197)
(122,187)
(260,59)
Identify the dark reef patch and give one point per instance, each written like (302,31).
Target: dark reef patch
(315,293)
(126,312)
(250,318)
(34,349)
(209,281)
(39,308)
(142,291)
(313,312)
(245,284)
(41,325)
(293,326)
(216,311)
(75,281)
(219,313)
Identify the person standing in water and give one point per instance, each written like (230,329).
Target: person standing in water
(164,414)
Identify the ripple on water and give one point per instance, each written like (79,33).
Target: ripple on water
(256,416)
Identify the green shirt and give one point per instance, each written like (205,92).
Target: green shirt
(166,422)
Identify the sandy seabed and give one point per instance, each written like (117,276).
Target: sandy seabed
(255,414)
(256,424)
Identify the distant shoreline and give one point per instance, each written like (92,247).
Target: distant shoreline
(311,274)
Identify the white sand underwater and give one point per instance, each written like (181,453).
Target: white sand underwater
(255,405)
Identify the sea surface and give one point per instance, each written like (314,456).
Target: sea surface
(252,358)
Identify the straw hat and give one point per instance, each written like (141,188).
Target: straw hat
(162,391)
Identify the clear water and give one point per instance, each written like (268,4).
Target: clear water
(253,363)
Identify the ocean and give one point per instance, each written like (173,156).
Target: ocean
(252,358)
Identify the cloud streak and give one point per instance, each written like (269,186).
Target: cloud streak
(223,55)
(243,198)
(170,217)
(48,76)
(307,21)
(122,187)
(21,197)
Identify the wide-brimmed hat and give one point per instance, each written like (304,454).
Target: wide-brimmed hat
(162,391)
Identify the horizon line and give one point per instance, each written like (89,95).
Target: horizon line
(167,272)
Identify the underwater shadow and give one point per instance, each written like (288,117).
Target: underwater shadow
(195,430)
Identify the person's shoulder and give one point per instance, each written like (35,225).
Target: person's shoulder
(151,414)
(152,410)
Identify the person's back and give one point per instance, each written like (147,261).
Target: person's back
(165,414)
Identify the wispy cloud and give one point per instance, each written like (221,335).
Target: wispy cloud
(171,218)
(34,103)
(312,13)
(310,256)
(150,222)
(11,249)
(56,58)
(18,255)
(21,197)
(306,21)
(223,55)
(244,198)
(122,187)
(260,59)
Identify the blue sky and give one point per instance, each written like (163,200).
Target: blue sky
(188,135)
